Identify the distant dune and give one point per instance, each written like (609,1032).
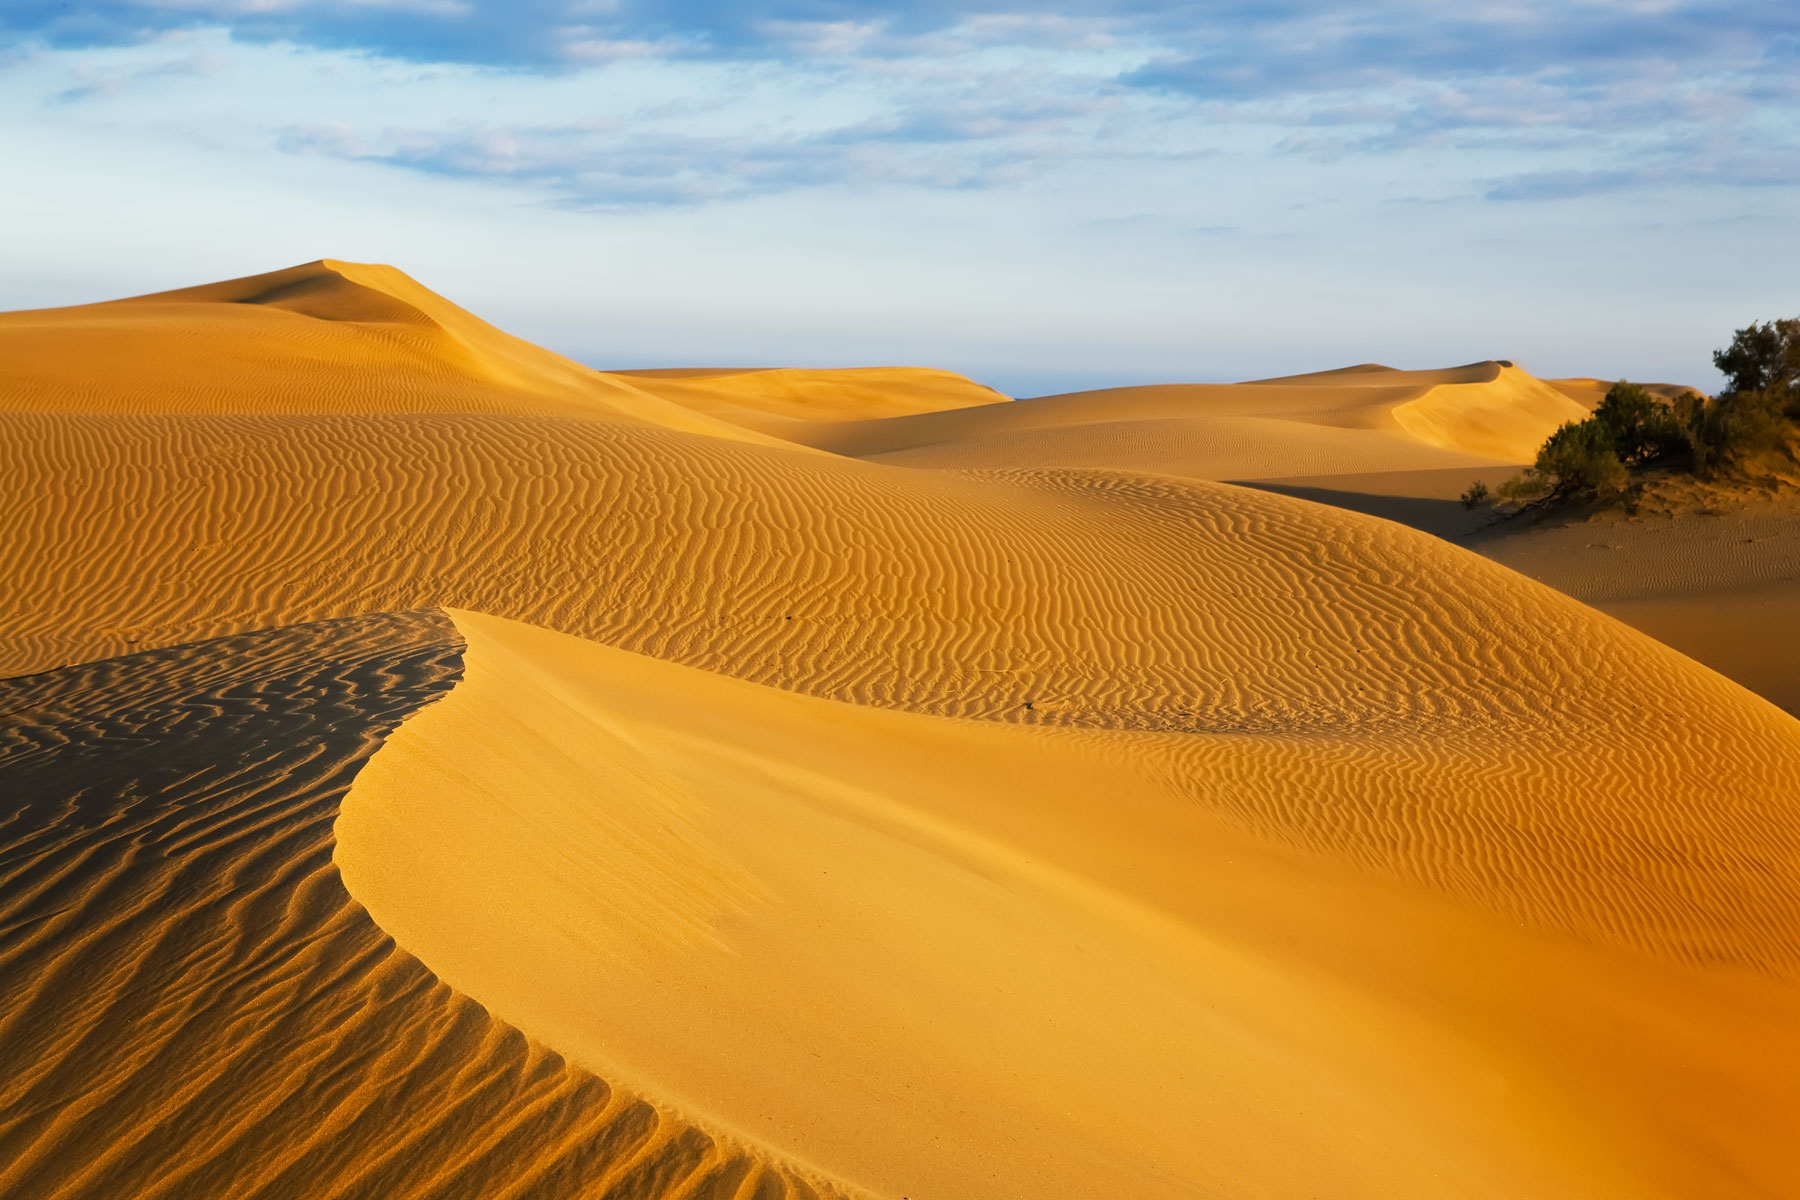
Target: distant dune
(1361,419)
(1589,392)
(777,398)
(326,337)
(838,783)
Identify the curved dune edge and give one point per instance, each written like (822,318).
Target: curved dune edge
(1506,417)
(1504,892)
(194,1006)
(775,398)
(321,337)
(1356,420)
(945,958)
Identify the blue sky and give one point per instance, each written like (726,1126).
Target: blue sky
(1045,195)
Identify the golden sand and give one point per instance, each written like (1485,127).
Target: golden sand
(857,781)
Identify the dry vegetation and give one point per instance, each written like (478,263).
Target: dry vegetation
(1639,449)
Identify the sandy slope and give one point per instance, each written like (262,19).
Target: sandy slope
(324,337)
(1043,961)
(1427,872)
(1720,584)
(1359,419)
(1098,599)
(195,1007)
(1588,392)
(777,399)
(1722,587)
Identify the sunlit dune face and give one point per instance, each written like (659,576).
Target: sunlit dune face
(778,782)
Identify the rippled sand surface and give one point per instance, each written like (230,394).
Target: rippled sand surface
(446,770)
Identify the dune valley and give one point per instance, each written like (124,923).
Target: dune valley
(434,767)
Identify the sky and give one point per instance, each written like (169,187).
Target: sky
(1044,194)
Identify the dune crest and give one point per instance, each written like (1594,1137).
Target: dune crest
(323,337)
(778,398)
(195,1006)
(1361,419)
(1044,961)
(990,776)
(1504,416)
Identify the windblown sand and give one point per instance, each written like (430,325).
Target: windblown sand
(838,781)
(1720,586)
(196,1007)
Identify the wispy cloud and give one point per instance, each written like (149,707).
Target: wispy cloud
(614,164)
(1697,167)
(94,84)
(1215,48)
(1596,94)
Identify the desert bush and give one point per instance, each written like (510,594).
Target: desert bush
(1642,427)
(1524,488)
(1575,462)
(1579,460)
(1764,359)
(1724,433)
(1750,429)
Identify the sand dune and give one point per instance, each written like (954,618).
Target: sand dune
(325,337)
(1720,586)
(1588,392)
(195,1007)
(987,776)
(1504,414)
(778,398)
(1359,419)
(1048,961)
(1100,599)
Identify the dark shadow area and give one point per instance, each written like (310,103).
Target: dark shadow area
(1446,519)
(194,1006)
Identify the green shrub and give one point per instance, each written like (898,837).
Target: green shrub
(1524,488)
(1579,460)
(1642,427)
(1751,428)
(1730,428)
(1755,416)
(1764,359)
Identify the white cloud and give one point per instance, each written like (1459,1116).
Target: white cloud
(946,192)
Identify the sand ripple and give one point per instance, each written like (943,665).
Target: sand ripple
(1459,698)
(194,1006)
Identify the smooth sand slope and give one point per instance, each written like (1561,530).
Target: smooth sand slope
(1292,851)
(324,337)
(945,958)
(785,399)
(1720,586)
(1588,392)
(195,1007)
(1360,419)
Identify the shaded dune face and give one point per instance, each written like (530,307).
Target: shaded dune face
(194,1006)
(1429,701)
(784,399)
(322,337)
(1049,961)
(1523,881)
(1358,420)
